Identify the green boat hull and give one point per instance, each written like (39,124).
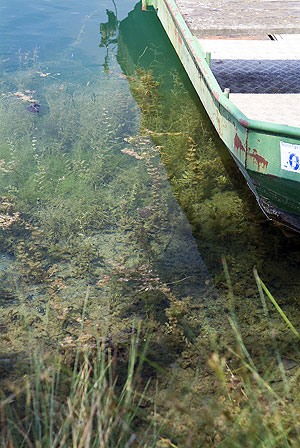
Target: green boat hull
(267,154)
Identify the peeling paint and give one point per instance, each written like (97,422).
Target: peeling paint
(238,143)
(259,159)
(244,122)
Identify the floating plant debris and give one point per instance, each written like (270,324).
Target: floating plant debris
(27,98)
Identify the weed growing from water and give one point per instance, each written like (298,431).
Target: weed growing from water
(94,405)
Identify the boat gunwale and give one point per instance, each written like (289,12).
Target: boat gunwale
(197,53)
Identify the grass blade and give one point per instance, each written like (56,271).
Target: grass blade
(280,311)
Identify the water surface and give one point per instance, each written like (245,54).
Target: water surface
(88,218)
(106,158)
(226,220)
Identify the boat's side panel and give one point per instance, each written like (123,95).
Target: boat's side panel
(271,176)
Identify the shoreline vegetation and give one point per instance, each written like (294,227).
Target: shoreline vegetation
(116,396)
(115,332)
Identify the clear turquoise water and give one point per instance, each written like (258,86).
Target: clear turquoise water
(54,29)
(86,208)
(117,204)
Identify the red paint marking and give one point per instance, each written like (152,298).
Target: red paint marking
(238,143)
(244,122)
(273,176)
(259,159)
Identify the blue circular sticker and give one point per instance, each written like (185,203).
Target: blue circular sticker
(294,161)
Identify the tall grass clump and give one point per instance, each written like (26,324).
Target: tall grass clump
(91,405)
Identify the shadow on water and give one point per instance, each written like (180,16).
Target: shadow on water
(117,204)
(86,206)
(224,216)
(87,215)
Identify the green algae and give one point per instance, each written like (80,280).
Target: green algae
(87,212)
(226,222)
(89,223)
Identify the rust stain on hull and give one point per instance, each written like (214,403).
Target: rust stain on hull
(261,161)
(238,143)
(216,96)
(178,37)
(244,122)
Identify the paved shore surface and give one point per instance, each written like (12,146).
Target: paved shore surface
(242,19)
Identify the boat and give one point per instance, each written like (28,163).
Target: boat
(250,88)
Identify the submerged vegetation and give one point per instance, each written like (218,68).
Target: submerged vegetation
(109,397)
(85,209)
(115,332)
(92,242)
(226,221)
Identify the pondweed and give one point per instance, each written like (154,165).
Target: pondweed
(86,207)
